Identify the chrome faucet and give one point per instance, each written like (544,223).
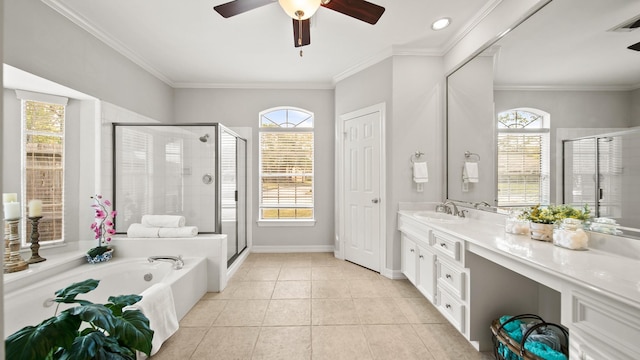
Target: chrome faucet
(177,261)
(451,208)
(482,203)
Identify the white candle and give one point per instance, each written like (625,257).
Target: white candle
(12,210)
(35,208)
(9,197)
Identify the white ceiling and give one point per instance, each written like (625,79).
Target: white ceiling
(568,44)
(188,44)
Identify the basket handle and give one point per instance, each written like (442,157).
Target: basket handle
(542,324)
(521,316)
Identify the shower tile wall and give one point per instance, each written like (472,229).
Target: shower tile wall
(198,161)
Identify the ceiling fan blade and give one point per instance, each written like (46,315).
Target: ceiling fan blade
(635,47)
(359,9)
(306,32)
(237,7)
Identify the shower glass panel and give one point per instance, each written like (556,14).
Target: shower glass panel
(192,170)
(603,171)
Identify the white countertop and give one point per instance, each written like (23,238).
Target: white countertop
(610,274)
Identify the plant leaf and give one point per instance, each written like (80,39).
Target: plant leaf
(68,294)
(133,331)
(118,302)
(85,347)
(96,314)
(36,342)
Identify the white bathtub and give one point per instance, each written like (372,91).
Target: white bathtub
(30,304)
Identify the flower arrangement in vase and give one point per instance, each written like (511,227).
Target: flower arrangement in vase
(103,229)
(543,219)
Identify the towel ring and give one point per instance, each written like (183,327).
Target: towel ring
(469,154)
(416,156)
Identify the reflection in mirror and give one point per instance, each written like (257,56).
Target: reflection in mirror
(576,78)
(603,171)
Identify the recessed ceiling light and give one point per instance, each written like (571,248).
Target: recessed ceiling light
(441,24)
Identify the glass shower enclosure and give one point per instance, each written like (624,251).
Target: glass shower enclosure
(603,171)
(194,170)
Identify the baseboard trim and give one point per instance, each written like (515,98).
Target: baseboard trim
(292,249)
(392,274)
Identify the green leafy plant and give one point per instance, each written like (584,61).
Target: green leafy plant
(554,213)
(108,331)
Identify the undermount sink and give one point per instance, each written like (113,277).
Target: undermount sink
(439,217)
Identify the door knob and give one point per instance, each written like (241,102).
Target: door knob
(375,201)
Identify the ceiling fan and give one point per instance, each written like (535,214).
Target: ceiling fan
(301,10)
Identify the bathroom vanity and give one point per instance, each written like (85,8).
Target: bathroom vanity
(474,272)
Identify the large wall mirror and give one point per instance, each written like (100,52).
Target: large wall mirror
(566,73)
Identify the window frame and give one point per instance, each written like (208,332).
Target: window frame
(267,129)
(24,97)
(543,131)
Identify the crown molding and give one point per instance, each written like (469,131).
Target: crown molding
(470,25)
(101,35)
(566,87)
(265,85)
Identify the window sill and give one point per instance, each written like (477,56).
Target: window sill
(286,223)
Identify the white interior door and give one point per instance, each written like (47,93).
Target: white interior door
(362,190)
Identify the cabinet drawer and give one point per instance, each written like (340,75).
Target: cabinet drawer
(450,276)
(605,324)
(447,245)
(451,308)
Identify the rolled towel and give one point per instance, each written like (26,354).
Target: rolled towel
(141,231)
(164,221)
(181,232)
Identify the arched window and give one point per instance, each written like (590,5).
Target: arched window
(523,157)
(286,164)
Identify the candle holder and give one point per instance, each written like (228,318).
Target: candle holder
(13,262)
(35,236)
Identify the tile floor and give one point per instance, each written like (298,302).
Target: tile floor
(313,306)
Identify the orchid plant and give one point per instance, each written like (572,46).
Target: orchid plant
(103,225)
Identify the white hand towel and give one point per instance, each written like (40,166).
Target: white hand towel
(182,232)
(470,172)
(158,306)
(141,231)
(169,221)
(420,172)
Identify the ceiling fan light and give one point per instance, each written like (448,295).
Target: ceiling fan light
(300,9)
(441,24)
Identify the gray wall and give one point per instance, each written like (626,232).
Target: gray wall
(412,89)
(635,108)
(44,43)
(240,108)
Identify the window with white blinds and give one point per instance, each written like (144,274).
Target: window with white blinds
(523,159)
(43,154)
(286,164)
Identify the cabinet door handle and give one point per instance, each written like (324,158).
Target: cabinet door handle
(412,250)
(447,306)
(448,276)
(421,256)
(444,245)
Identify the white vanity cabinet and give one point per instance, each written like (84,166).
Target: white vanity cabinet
(600,327)
(418,263)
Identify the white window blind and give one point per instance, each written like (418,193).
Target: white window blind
(43,155)
(286,165)
(523,159)
(136,168)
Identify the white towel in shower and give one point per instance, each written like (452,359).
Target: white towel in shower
(470,172)
(158,306)
(420,172)
(182,232)
(141,231)
(168,221)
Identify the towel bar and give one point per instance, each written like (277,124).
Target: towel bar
(469,154)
